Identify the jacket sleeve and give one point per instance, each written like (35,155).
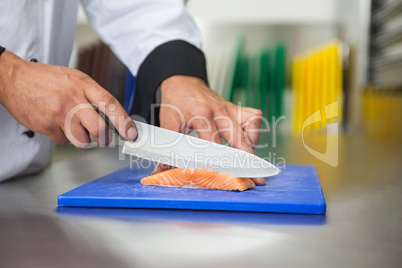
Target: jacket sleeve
(155,39)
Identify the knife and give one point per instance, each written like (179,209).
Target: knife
(184,151)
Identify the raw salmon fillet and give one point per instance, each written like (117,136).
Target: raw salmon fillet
(198,178)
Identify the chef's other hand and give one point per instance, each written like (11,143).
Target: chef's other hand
(56,101)
(188,103)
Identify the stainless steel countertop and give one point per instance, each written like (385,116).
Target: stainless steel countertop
(362,227)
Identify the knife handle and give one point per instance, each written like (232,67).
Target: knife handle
(107,120)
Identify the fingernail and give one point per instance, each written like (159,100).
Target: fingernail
(132,133)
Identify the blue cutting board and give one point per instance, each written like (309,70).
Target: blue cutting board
(296,189)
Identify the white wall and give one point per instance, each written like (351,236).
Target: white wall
(264,11)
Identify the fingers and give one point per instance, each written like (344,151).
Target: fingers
(95,125)
(59,137)
(74,131)
(238,140)
(78,136)
(107,104)
(171,118)
(83,120)
(251,121)
(210,115)
(206,128)
(201,120)
(204,124)
(259,181)
(232,132)
(161,167)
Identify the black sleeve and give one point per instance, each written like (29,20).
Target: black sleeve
(172,58)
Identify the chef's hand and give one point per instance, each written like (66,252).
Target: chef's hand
(188,103)
(56,101)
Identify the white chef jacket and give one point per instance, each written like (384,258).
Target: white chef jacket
(44,30)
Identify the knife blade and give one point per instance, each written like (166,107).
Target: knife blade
(184,151)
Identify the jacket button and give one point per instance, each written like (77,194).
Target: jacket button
(30,134)
(33,60)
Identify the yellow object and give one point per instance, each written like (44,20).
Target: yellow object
(316,83)
(383,113)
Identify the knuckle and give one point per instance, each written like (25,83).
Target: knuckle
(107,99)
(203,109)
(56,111)
(221,109)
(258,112)
(84,77)
(77,78)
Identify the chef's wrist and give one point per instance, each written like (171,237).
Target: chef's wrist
(8,64)
(172,58)
(176,80)
(4,74)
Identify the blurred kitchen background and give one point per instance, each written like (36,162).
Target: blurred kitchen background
(291,58)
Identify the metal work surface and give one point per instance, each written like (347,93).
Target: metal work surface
(362,227)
